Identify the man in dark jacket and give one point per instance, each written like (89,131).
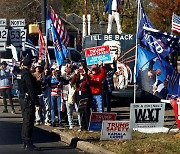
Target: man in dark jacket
(29,94)
(109,84)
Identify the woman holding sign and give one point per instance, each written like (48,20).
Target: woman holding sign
(81,81)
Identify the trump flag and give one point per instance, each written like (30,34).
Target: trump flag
(156,76)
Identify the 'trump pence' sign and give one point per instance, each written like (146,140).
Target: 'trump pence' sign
(118,130)
(96,119)
(147,115)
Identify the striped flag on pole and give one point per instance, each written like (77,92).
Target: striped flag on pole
(176,23)
(42,45)
(61,30)
(30,45)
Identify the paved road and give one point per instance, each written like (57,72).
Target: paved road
(10,141)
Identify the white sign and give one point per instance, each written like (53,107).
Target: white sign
(3,22)
(3,34)
(2,46)
(20,46)
(147,115)
(17,35)
(116,130)
(17,22)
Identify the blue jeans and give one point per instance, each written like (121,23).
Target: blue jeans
(55,102)
(107,97)
(98,100)
(70,108)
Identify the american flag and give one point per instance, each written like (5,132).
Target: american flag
(42,45)
(176,23)
(61,30)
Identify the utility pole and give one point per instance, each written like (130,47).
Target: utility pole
(85,16)
(43,17)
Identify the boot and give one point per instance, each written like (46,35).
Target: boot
(30,147)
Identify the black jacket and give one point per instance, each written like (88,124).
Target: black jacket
(28,85)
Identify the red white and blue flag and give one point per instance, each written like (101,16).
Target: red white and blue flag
(59,48)
(176,23)
(42,45)
(61,30)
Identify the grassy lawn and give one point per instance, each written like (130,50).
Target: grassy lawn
(141,143)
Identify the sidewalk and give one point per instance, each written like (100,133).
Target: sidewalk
(72,141)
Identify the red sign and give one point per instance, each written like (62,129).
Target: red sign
(99,117)
(176,106)
(96,51)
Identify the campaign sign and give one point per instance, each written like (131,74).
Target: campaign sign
(147,115)
(96,51)
(96,119)
(95,59)
(96,54)
(116,130)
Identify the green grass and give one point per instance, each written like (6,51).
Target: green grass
(141,143)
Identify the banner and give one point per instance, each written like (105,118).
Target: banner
(96,119)
(96,54)
(116,130)
(176,107)
(147,115)
(156,76)
(96,51)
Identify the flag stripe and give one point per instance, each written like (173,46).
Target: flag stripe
(61,30)
(175,23)
(42,45)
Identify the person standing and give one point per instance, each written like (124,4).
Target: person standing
(113,8)
(39,75)
(5,87)
(29,93)
(96,78)
(109,84)
(81,81)
(56,89)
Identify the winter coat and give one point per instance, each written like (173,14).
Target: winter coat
(96,81)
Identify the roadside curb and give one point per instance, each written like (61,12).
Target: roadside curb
(77,143)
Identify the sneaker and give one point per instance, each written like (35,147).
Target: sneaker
(47,124)
(53,124)
(61,125)
(37,123)
(71,127)
(31,148)
(5,111)
(13,112)
(79,130)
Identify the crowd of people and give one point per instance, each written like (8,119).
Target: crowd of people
(63,90)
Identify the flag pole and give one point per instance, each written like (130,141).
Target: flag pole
(138,15)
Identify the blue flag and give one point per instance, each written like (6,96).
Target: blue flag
(144,21)
(156,42)
(60,50)
(154,76)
